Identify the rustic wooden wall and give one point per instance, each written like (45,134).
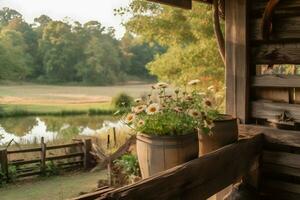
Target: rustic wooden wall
(274,98)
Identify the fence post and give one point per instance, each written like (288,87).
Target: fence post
(115,136)
(87,148)
(43,155)
(4,162)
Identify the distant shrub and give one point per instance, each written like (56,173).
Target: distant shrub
(122,100)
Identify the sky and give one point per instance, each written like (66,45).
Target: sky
(78,10)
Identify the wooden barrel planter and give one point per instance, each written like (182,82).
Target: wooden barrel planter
(224,132)
(159,153)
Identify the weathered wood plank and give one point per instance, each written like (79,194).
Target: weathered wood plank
(280,169)
(270,110)
(282,158)
(72,155)
(197,179)
(24,150)
(272,94)
(79,144)
(283,5)
(284,29)
(236,34)
(282,186)
(276,53)
(186,4)
(272,135)
(292,81)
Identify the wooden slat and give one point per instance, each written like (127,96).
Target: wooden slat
(284,29)
(186,4)
(64,156)
(282,158)
(292,81)
(197,179)
(272,135)
(272,94)
(24,150)
(79,144)
(282,186)
(25,162)
(283,5)
(280,169)
(270,110)
(276,53)
(237,65)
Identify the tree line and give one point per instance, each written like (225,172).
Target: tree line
(50,51)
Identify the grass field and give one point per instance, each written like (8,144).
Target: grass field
(52,188)
(54,99)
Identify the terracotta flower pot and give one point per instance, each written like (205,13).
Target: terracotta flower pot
(224,132)
(159,153)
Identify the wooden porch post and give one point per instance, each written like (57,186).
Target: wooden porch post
(237,67)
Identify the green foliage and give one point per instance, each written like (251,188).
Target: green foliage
(51,51)
(12,172)
(122,100)
(177,113)
(2,179)
(129,164)
(51,169)
(187,35)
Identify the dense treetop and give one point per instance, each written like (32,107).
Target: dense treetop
(52,51)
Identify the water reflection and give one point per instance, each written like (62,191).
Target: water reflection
(29,130)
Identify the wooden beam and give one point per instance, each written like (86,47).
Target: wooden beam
(197,179)
(186,4)
(270,110)
(291,81)
(272,135)
(284,29)
(237,66)
(281,53)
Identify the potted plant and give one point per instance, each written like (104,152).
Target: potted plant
(168,124)
(224,130)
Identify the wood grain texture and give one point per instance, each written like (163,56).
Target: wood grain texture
(272,94)
(282,53)
(286,4)
(272,135)
(282,158)
(237,66)
(292,81)
(197,179)
(284,29)
(271,110)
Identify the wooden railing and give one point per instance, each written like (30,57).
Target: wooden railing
(76,155)
(197,179)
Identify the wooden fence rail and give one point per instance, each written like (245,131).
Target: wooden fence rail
(83,158)
(198,179)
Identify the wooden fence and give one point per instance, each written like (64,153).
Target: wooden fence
(196,180)
(77,155)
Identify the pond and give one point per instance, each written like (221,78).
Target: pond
(29,130)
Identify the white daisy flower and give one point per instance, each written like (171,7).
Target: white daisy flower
(139,109)
(194,113)
(141,123)
(152,109)
(130,118)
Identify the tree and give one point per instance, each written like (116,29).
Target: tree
(7,14)
(188,37)
(58,49)
(13,57)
